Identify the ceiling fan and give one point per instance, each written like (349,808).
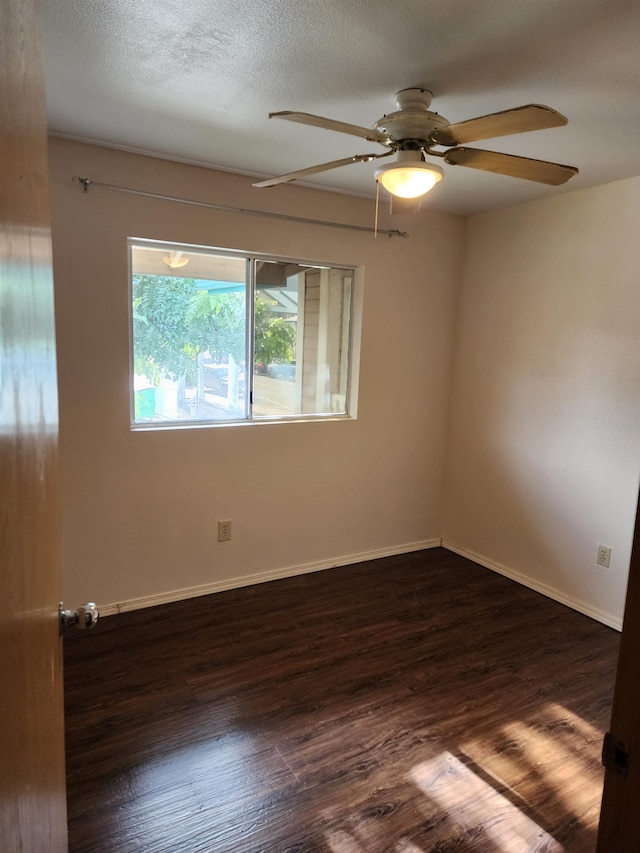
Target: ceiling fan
(413,132)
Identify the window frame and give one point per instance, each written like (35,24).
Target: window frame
(251,259)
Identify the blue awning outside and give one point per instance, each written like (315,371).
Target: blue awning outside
(286,301)
(214,287)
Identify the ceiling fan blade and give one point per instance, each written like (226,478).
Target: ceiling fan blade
(508,164)
(323,167)
(517,120)
(367,133)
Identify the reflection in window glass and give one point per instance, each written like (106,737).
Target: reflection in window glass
(301,348)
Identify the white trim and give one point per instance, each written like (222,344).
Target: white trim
(525,580)
(261,577)
(307,568)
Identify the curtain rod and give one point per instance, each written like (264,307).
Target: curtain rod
(87,182)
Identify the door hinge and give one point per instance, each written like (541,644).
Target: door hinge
(615,755)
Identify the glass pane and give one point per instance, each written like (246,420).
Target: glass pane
(301,339)
(189,335)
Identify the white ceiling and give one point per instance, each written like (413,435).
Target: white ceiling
(194,80)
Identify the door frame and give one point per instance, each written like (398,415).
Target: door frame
(619,829)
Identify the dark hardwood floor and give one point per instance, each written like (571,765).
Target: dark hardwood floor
(414,704)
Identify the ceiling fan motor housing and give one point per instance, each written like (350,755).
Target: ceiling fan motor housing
(405,125)
(413,121)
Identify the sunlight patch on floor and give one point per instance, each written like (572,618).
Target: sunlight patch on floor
(471,803)
(407,847)
(344,842)
(551,755)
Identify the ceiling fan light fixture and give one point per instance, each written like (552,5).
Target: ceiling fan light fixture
(410,176)
(175,261)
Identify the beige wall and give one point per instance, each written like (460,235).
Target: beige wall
(140,509)
(542,429)
(543,457)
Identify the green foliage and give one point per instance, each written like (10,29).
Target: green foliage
(174,321)
(274,339)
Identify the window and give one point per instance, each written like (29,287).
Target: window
(222,336)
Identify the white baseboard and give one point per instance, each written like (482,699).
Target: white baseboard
(525,580)
(261,577)
(306,568)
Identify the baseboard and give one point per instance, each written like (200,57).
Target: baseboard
(262,577)
(544,589)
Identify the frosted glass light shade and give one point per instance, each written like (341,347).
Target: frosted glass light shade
(409,178)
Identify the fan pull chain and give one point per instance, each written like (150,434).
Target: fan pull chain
(375,228)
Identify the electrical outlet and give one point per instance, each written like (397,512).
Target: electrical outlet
(224,531)
(604,556)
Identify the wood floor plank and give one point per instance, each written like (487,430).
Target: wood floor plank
(414,704)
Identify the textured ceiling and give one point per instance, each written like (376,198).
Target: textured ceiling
(195,80)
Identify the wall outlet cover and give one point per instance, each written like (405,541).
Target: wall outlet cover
(224,531)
